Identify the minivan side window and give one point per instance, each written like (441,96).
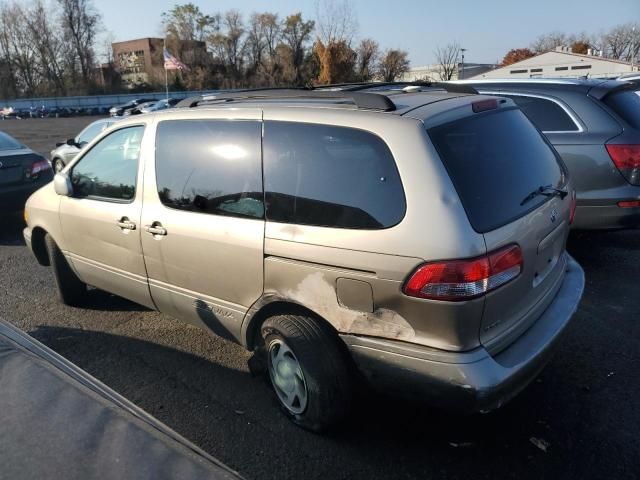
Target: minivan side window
(330,176)
(109,170)
(210,166)
(545,114)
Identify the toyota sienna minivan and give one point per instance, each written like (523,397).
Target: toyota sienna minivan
(414,239)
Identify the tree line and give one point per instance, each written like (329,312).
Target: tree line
(49,49)
(621,42)
(265,49)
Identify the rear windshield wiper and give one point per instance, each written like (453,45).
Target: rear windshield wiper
(547,191)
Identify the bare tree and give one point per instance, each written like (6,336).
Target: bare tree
(367,55)
(49,47)
(549,41)
(336,21)
(622,42)
(18,49)
(296,33)
(393,64)
(447,60)
(80,23)
(187,22)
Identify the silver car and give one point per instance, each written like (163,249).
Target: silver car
(66,151)
(413,239)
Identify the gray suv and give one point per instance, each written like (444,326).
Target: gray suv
(414,239)
(595,127)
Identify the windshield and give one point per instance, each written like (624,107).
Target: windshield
(91,132)
(495,161)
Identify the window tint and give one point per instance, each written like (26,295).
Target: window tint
(91,132)
(627,105)
(548,116)
(495,160)
(330,176)
(210,166)
(110,168)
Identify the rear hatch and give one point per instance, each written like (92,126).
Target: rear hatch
(18,164)
(498,162)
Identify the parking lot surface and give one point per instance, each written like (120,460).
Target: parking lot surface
(579,419)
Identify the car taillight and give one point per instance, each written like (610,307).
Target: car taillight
(37,167)
(458,280)
(627,159)
(572,207)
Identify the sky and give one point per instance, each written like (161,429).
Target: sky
(487,28)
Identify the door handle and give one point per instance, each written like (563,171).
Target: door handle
(156,229)
(126,224)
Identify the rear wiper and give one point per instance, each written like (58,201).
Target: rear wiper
(547,191)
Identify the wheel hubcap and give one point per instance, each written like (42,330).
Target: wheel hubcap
(57,167)
(287,377)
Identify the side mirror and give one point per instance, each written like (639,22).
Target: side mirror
(62,184)
(72,142)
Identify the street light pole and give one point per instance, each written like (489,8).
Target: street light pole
(462,73)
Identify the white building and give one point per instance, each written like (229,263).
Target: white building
(562,63)
(434,72)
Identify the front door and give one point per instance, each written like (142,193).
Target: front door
(101,221)
(203,219)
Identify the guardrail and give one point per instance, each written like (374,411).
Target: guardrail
(92,101)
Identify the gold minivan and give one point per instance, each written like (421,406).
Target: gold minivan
(415,239)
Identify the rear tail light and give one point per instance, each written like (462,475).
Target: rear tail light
(484,105)
(458,280)
(627,159)
(629,204)
(572,207)
(37,167)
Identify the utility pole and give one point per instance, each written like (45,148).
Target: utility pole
(462,73)
(633,46)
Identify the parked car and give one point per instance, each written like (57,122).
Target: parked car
(595,126)
(419,237)
(137,110)
(22,172)
(58,418)
(120,110)
(66,151)
(159,105)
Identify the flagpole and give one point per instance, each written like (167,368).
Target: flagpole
(166,77)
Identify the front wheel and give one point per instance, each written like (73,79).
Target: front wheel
(308,370)
(71,290)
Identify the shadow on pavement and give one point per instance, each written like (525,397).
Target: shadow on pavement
(11,226)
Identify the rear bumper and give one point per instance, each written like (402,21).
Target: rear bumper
(590,217)
(13,198)
(469,381)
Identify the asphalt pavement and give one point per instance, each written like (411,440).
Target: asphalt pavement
(579,419)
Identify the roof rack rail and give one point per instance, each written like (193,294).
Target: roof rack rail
(362,100)
(449,87)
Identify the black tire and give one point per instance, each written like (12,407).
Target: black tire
(324,365)
(71,290)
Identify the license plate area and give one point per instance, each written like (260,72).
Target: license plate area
(10,175)
(550,250)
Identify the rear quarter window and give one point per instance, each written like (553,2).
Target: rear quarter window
(627,105)
(330,176)
(545,114)
(495,160)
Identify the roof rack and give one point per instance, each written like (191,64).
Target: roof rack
(363,100)
(449,87)
(339,91)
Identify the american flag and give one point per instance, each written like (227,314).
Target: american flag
(172,63)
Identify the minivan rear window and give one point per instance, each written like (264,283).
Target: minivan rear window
(495,160)
(627,105)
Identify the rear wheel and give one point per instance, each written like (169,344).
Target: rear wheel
(71,290)
(308,371)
